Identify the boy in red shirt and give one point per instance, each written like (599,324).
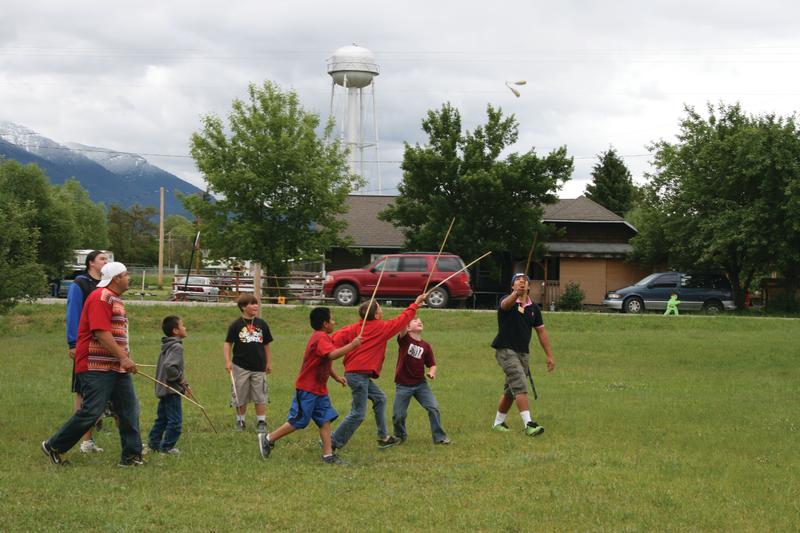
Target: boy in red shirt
(311,399)
(414,356)
(364,364)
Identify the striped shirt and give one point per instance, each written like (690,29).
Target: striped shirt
(103,311)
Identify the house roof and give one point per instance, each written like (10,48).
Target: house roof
(363,225)
(578,249)
(581,209)
(367,231)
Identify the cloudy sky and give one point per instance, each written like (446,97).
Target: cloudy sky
(599,74)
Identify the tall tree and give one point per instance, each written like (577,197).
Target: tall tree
(717,198)
(612,185)
(28,185)
(179,233)
(497,201)
(89,218)
(133,234)
(21,275)
(278,186)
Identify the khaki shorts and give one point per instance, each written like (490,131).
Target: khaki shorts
(515,367)
(251,387)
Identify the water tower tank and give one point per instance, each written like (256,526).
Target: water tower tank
(352,66)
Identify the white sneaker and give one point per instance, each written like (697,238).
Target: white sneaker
(172,451)
(89,446)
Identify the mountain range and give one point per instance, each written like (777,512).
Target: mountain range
(109,176)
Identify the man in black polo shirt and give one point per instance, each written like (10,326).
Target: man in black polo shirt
(516,316)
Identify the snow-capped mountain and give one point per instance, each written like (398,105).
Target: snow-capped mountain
(110,177)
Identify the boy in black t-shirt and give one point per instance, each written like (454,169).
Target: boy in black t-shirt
(249,337)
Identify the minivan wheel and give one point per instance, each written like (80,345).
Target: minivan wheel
(633,305)
(345,294)
(438,298)
(713,307)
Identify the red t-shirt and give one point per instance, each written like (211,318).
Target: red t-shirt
(316,367)
(102,311)
(412,359)
(368,358)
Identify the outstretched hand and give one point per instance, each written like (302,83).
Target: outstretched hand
(421,298)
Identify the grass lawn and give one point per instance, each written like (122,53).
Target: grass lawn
(652,423)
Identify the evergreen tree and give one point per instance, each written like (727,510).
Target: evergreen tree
(612,185)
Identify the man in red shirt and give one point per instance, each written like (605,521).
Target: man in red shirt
(104,367)
(364,364)
(311,399)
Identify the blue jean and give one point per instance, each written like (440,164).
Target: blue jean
(424,395)
(167,427)
(363,389)
(98,389)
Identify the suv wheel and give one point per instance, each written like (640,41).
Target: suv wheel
(633,305)
(345,294)
(713,307)
(438,298)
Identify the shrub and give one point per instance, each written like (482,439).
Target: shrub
(572,297)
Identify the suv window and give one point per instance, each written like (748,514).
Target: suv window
(449,264)
(705,281)
(665,281)
(413,264)
(392,265)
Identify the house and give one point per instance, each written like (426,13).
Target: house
(590,250)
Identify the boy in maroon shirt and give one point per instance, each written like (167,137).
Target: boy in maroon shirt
(414,356)
(311,399)
(364,364)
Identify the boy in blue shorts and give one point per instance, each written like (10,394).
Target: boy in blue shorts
(311,401)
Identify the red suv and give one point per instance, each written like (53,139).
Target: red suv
(404,277)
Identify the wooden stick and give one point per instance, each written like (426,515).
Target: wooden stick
(372,299)
(436,262)
(146,366)
(459,271)
(206,415)
(154,380)
(530,254)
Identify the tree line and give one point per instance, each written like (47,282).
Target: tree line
(724,195)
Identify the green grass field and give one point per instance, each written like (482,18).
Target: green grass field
(652,423)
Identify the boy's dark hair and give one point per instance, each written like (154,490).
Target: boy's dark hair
(373,309)
(169,324)
(245,300)
(91,256)
(318,317)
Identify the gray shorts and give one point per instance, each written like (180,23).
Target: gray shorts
(515,367)
(251,387)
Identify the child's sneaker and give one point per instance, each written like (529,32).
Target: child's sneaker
(54,456)
(501,427)
(264,445)
(240,425)
(533,429)
(445,441)
(333,459)
(171,451)
(133,460)
(388,442)
(147,449)
(90,446)
(261,427)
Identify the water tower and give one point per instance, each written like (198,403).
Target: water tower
(353,69)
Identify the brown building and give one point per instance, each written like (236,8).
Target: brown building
(590,250)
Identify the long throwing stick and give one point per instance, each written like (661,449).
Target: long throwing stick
(436,262)
(372,299)
(530,254)
(458,271)
(235,394)
(154,380)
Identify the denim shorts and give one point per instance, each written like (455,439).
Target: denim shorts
(307,406)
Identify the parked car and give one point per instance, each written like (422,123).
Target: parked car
(404,277)
(708,292)
(197,288)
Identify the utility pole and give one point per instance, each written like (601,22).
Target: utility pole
(161,242)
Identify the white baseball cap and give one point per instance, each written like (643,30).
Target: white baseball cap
(109,271)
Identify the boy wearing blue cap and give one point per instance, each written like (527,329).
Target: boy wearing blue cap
(517,315)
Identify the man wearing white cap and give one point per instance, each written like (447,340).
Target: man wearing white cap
(516,317)
(103,364)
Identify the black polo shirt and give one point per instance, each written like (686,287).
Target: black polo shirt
(514,327)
